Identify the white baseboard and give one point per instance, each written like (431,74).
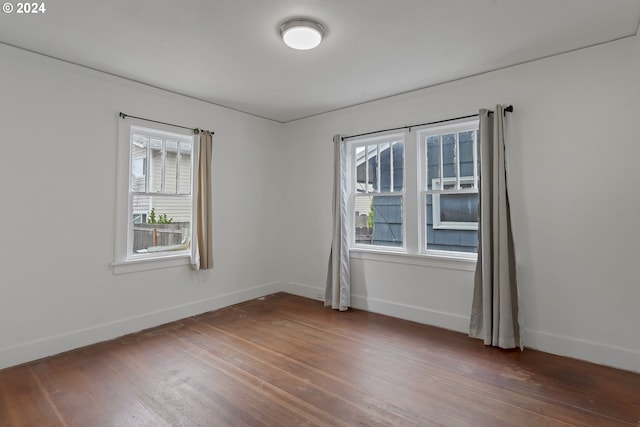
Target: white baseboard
(599,353)
(602,354)
(33,350)
(440,319)
(303,290)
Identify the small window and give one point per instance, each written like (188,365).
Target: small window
(377,191)
(139,218)
(455,211)
(155,206)
(450,187)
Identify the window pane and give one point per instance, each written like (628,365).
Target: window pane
(139,145)
(459,207)
(360,169)
(185,168)
(398,166)
(156,167)
(372,156)
(433,161)
(364,219)
(171,167)
(448,239)
(465,139)
(167,227)
(449,159)
(378,220)
(140,208)
(385,167)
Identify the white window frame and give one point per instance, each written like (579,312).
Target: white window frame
(353,144)
(422,135)
(124,260)
(414,210)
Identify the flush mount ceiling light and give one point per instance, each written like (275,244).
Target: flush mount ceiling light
(302,34)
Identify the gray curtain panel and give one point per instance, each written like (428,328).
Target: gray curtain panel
(494,313)
(338,290)
(202,258)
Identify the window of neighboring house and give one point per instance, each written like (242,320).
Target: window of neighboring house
(139,218)
(377,191)
(155,202)
(450,187)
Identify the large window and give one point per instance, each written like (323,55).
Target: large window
(417,191)
(155,206)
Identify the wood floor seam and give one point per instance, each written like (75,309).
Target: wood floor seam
(47,397)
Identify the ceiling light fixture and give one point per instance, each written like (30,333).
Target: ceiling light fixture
(301,34)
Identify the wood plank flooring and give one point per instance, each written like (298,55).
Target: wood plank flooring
(288,361)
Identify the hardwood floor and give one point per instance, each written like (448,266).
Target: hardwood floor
(286,360)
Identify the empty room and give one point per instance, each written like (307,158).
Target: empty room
(320,212)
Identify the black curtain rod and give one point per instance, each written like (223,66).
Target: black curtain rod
(508,109)
(195,130)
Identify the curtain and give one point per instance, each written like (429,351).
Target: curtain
(202,248)
(494,313)
(338,290)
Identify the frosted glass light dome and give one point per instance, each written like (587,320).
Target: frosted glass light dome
(302,34)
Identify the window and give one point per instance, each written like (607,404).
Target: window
(454,211)
(139,218)
(378,191)
(416,192)
(155,203)
(450,186)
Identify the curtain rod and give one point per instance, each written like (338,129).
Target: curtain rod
(508,109)
(195,130)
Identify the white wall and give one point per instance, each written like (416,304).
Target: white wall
(58,128)
(574,183)
(576,206)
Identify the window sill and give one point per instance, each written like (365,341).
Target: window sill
(144,264)
(432,260)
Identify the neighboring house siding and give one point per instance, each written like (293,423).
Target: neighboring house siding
(387,210)
(362,206)
(178,209)
(140,204)
(387,218)
(449,240)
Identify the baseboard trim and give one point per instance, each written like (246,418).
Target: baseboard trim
(36,349)
(440,319)
(303,290)
(617,357)
(426,316)
(601,354)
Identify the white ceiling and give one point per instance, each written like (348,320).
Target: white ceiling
(229,52)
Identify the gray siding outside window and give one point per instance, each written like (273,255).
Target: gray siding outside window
(387,210)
